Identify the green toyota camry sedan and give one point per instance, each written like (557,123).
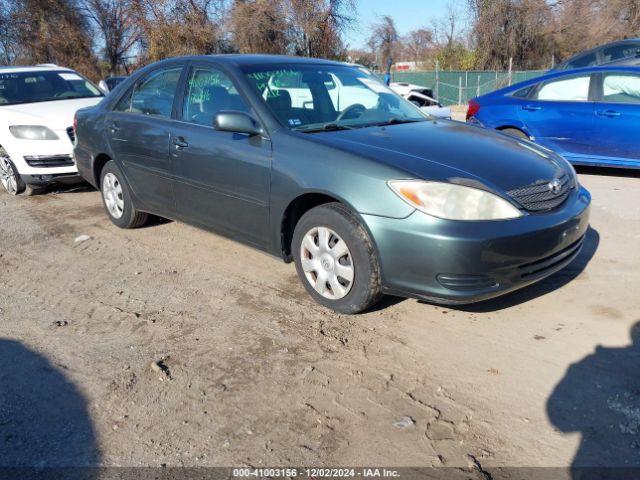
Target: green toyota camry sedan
(319,163)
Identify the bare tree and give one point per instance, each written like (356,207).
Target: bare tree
(116,23)
(517,29)
(9,46)
(259,26)
(418,44)
(179,27)
(316,26)
(384,40)
(54,31)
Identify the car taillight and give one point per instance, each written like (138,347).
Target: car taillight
(474,108)
(75,122)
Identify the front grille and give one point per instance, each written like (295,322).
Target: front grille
(49,161)
(540,196)
(540,267)
(72,134)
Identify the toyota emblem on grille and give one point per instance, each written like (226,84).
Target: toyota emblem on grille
(555,186)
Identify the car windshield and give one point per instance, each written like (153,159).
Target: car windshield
(44,86)
(313,98)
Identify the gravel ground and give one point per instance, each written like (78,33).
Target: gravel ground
(171,346)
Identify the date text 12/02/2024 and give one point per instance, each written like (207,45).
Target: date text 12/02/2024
(315,473)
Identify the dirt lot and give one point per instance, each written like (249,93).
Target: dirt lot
(169,345)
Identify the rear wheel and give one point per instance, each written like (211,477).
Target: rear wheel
(515,132)
(116,198)
(336,260)
(9,176)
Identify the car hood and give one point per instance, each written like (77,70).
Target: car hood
(450,151)
(57,115)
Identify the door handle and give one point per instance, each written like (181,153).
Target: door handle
(180,143)
(608,113)
(114,128)
(531,108)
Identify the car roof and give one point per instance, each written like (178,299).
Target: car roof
(256,59)
(598,48)
(33,68)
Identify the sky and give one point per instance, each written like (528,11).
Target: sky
(408,15)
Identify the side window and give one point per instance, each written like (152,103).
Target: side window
(154,95)
(589,60)
(619,52)
(209,92)
(524,92)
(621,88)
(124,105)
(573,89)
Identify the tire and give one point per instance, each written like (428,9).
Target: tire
(9,177)
(514,132)
(352,281)
(116,198)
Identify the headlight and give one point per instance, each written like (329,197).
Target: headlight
(33,132)
(453,202)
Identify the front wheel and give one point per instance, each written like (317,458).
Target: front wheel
(336,260)
(116,198)
(9,176)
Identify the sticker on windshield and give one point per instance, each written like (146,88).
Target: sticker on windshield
(295,122)
(70,76)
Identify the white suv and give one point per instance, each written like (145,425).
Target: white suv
(37,105)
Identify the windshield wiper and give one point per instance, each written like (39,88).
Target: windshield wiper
(395,121)
(327,127)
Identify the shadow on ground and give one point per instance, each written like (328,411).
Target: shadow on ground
(599,397)
(609,172)
(44,421)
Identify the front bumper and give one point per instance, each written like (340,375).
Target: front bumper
(452,262)
(41,158)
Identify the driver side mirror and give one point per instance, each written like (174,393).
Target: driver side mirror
(237,122)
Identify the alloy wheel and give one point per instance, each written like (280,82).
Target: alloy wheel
(8,176)
(327,263)
(112,194)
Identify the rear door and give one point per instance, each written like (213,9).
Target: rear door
(138,131)
(617,117)
(559,114)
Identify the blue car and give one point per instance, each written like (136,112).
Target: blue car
(590,116)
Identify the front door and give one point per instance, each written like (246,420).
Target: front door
(559,115)
(222,178)
(617,118)
(139,130)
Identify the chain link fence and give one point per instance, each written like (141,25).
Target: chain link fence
(458,87)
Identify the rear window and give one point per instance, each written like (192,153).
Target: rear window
(620,52)
(523,92)
(589,60)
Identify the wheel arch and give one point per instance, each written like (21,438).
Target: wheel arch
(300,205)
(514,126)
(98,164)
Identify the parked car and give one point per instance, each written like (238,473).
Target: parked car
(365,200)
(110,83)
(37,105)
(623,52)
(422,97)
(590,116)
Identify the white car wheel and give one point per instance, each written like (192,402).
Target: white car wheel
(9,176)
